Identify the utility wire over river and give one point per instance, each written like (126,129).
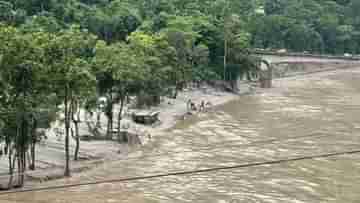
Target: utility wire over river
(296,142)
(208,170)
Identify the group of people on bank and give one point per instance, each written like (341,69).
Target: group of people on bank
(191,106)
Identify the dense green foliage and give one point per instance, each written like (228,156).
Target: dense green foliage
(330,26)
(65,53)
(323,26)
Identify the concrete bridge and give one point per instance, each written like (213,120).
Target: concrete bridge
(277,59)
(275,65)
(272,57)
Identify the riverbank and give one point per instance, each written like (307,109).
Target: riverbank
(98,153)
(173,110)
(50,152)
(303,116)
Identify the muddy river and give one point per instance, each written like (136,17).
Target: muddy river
(305,116)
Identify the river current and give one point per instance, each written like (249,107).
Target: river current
(301,116)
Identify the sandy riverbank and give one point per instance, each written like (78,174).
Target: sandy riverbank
(172,110)
(50,160)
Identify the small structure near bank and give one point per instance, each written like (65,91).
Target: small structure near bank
(146,117)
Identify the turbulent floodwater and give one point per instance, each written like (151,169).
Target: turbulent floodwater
(303,116)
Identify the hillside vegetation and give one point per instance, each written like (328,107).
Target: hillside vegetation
(60,56)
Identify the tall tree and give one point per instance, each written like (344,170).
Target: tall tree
(70,72)
(22,73)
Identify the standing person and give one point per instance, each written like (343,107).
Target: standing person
(208,105)
(193,106)
(188,105)
(202,106)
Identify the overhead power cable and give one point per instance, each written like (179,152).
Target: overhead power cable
(204,149)
(182,173)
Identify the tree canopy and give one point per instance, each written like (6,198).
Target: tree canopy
(57,55)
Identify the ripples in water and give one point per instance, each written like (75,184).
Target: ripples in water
(300,117)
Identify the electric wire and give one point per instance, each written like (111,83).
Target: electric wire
(183,173)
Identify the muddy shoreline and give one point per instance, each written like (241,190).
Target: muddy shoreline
(171,111)
(97,152)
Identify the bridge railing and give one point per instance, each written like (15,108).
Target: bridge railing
(292,54)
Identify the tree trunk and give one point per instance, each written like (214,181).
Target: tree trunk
(75,116)
(22,132)
(23,167)
(33,145)
(32,157)
(110,115)
(19,171)
(77,140)
(225,55)
(67,127)
(175,93)
(122,101)
(225,13)
(12,161)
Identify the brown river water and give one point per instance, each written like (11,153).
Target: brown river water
(301,116)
